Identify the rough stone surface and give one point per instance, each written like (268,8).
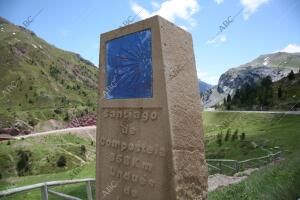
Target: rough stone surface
(153,147)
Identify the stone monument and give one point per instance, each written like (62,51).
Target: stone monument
(149,130)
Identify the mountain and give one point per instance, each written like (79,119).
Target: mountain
(283,94)
(39,81)
(204,86)
(276,65)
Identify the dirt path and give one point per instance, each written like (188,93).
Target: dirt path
(86,131)
(220,180)
(270,112)
(75,156)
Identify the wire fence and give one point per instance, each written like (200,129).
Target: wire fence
(224,166)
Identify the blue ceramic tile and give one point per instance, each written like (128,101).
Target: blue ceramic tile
(129,66)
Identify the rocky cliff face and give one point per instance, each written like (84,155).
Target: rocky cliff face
(276,65)
(203,87)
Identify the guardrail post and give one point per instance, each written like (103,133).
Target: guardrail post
(237,167)
(220,166)
(89,190)
(44,192)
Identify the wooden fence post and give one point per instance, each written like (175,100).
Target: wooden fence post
(237,167)
(89,190)
(220,166)
(44,192)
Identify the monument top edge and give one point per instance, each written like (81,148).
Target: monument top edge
(147,24)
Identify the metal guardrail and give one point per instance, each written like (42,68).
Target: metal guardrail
(45,191)
(219,165)
(225,166)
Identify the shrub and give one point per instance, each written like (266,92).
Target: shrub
(227,136)
(54,71)
(234,135)
(57,111)
(220,139)
(61,162)
(23,165)
(32,122)
(82,150)
(242,136)
(66,118)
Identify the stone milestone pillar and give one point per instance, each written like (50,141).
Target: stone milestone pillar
(149,130)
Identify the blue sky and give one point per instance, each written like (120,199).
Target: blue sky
(261,27)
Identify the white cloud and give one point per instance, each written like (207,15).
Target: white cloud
(201,74)
(250,6)
(217,39)
(204,76)
(171,10)
(291,48)
(183,27)
(155,5)
(140,11)
(219,1)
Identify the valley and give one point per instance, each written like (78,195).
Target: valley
(265,132)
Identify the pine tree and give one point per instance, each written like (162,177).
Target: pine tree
(235,135)
(228,98)
(266,91)
(227,136)
(291,75)
(61,162)
(220,139)
(279,92)
(228,106)
(242,136)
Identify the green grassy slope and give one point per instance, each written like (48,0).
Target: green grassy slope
(270,132)
(43,153)
(77,190)
(281,181)
(39,81)
(290,93)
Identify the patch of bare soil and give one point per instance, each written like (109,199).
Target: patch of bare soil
(220,180)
